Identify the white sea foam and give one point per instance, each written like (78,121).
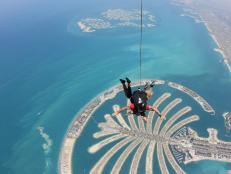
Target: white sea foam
(48,141)
(47,166)
(47,148)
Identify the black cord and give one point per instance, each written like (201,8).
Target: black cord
(141,37)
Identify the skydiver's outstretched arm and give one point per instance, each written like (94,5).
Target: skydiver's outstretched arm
(158,112)
(120,110)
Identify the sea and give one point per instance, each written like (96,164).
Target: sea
(49,70)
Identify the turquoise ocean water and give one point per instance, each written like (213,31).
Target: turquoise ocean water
(50,70)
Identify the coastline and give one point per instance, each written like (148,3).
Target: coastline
(219,48)
(190,10)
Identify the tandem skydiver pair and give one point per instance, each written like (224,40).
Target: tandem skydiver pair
(138,99)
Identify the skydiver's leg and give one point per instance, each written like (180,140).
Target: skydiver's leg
(126,90)
(149,86)
(152,83)
(129,91)
(129,88)
(146,86)
(149,89)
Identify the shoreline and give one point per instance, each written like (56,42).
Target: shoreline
(198,18)
(219,48)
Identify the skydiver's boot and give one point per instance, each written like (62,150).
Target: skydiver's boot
(152,83)
(122,81)
(128,80)
(146,86)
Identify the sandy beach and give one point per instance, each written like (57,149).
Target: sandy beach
(219,49)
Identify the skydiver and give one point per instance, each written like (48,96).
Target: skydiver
(138,100)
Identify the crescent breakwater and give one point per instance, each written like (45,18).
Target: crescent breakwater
(204,104)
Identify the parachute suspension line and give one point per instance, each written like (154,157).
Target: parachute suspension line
(141,38)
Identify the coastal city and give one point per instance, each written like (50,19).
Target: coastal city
(195,148)
(184,147)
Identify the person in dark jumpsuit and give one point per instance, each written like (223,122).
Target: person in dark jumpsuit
(138,100)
